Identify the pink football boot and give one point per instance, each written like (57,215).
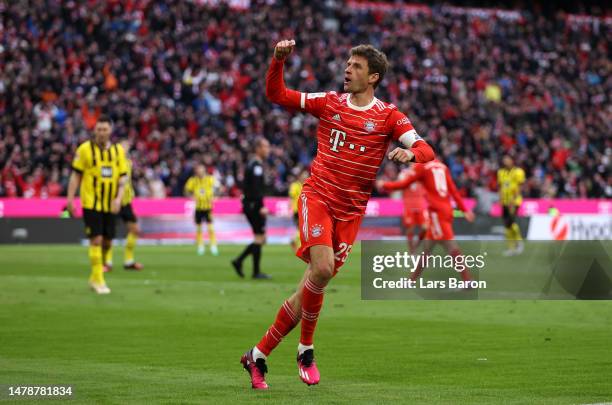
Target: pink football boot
(257,370)
(307,367)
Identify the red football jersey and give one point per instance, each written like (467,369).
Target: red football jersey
(413,195)
(438,184)
(352,142)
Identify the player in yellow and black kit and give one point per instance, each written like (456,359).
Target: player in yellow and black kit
(295,189)
(99,167)
(126,213)
(510,178)
(201,188)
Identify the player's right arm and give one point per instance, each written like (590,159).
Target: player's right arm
(73,185)
(189,187)
(80,163)
(277,92)
(294,191)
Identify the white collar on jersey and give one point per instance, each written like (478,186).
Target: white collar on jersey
(364,108)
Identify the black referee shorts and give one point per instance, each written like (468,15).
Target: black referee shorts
(509,215)
(127,213)
(256,220)
(202,215)
(99,224)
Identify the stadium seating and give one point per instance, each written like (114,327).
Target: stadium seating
(185,82)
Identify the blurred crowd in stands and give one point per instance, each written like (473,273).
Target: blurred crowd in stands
(185,83)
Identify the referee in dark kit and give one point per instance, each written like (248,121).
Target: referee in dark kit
(253,188)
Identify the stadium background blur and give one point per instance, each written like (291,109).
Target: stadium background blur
(184,80)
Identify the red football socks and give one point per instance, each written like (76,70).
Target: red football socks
(312,301)
(465,274)
(285,321)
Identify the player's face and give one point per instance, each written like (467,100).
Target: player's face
(356,75)
(200,171)
(263,151)
(102,132)
(507,161)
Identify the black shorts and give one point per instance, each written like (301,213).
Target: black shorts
(99,223)
(202,215)
(296,219)
(509,215)
(256,220)
(127,213)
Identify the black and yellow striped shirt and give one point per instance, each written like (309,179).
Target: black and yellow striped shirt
(509,181)
(101,169)
(202,190)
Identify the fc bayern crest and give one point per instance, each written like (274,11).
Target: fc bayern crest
(316,230)
(369,126)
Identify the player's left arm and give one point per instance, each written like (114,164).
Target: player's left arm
(452,189)
(417,150)
(215,187)
(520,183)
(122,181)
(294,191)
(404,182)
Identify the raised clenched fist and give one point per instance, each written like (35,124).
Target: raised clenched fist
(284,48)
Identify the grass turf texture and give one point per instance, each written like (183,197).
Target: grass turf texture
(175,332)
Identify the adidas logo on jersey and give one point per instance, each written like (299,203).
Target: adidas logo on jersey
(336,117)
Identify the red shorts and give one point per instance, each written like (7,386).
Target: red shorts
(317,226)
(440,227)
(416,218)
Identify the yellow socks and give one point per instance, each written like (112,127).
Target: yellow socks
(108,256)
(516,232)
(95,258)
(199,235)
(513,236)
(211,235)
(130,245)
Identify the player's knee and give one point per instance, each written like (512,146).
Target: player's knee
(96,241)
(322,272)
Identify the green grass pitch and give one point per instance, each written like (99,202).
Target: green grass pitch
(175,332)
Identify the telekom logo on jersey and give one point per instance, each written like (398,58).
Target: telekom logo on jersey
(338,139)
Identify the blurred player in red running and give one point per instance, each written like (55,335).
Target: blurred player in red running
(440,188)
(416,216)
(355,130)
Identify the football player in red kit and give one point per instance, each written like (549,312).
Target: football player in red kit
(354,133)
(416,216)
(440,188)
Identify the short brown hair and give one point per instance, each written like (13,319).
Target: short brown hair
(104,118)
(377,60)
